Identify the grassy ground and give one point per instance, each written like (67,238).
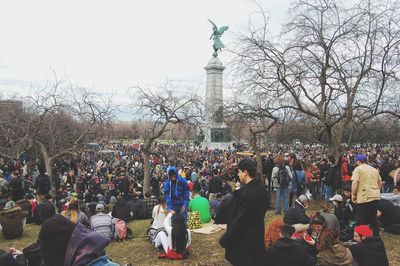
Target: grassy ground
(206,250)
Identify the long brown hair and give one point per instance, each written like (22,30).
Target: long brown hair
(162,202)
(328,238)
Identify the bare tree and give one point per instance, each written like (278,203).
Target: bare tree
(164,106)
(260,118)
(330,63)
(72,117)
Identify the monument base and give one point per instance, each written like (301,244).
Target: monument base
(216,133)
(217,145)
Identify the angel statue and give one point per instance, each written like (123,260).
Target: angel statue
(216,36)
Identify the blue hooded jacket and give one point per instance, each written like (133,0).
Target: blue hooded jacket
(176,192)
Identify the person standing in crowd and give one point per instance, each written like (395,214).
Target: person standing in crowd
(176,191)
(369,250)
(15,186)
(244,238)
(331,179)
(215,183)
(281,177)
(365,191)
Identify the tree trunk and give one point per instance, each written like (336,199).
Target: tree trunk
(146,166)
(335,141)
(258,156)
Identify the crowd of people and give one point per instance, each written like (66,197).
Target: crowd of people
(96,195)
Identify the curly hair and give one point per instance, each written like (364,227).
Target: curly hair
(329,237)
(272,232)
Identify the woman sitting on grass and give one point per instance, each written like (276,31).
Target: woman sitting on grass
(176,238)
(272,232)
(75,215)
(331,252)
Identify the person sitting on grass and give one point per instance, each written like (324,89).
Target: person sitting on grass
(272,232)
(159,213)
(176,238)
(296,215)
(286,251)
(331,252)
(202,206)
(311,237)
(389,216)
(12,220)
(369,250)
(75,215)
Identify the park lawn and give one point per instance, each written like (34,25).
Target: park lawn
(206,249)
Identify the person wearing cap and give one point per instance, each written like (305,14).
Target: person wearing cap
(366,192)
(244,238)
(296,215)
(286,251)
(12,220)
(341,212)
(350,205)
(101,222)
(369,249)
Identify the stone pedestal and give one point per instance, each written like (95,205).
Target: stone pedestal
(214,128)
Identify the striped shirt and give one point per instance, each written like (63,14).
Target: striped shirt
(102,223)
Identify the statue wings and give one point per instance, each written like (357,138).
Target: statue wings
(223,29)
(219,31)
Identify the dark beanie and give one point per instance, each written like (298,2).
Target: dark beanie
(54,236)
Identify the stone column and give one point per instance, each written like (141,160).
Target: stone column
(214,97)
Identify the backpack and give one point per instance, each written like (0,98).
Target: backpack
(120,229)
(152,233)
(283,177)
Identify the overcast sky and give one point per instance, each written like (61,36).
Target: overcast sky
(113,45)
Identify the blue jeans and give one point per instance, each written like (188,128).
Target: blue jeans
(328,192)
(388,186)
(284,193)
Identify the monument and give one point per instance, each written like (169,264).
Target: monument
(215,131)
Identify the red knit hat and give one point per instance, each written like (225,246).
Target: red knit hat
(363,230)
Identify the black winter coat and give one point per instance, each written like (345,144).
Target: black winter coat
(121,210)
(215,185)
(370,252)
(286,252)
(244,238)
(296,215)
(44,211)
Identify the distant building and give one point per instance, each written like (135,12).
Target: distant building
(10,106)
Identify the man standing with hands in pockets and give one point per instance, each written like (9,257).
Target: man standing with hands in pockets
(244,238)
